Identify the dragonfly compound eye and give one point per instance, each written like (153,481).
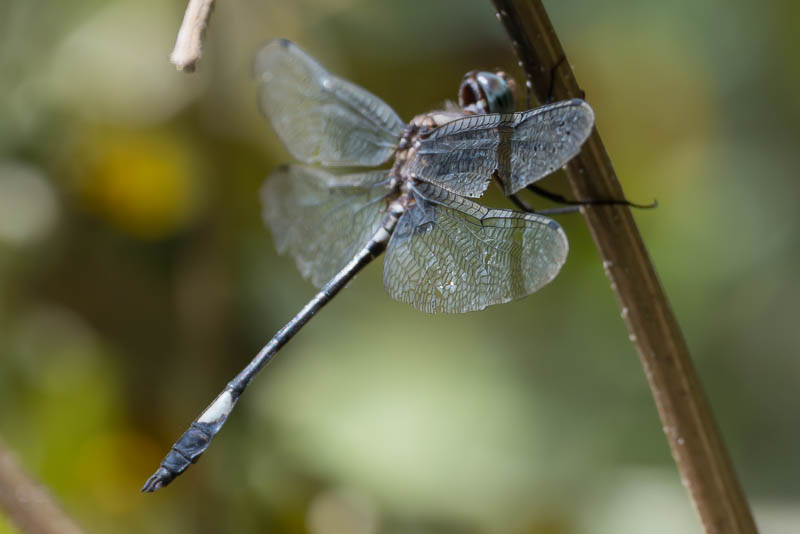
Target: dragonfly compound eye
(486,92)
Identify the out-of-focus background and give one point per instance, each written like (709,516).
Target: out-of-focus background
(136,278)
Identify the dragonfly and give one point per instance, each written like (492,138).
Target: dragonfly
(444,253)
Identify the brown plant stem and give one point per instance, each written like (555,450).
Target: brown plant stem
(189,43)
(27,504)
(698,450)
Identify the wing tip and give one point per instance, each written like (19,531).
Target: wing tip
(589,110)
(265,54)
(279,42)
(577,103)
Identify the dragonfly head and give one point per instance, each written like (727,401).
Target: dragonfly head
(486,92)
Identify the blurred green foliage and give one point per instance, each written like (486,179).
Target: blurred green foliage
(136,278)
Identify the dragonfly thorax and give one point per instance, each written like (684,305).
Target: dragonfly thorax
(426,122)
(419,127)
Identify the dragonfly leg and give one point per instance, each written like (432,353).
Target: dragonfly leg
(561,199)
(558,211)
(521,204)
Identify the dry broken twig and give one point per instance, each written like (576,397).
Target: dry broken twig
(696,445)
(189,44)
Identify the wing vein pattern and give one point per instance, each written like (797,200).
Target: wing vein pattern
(451,255)
(319,117)
(460,156)
(322,219)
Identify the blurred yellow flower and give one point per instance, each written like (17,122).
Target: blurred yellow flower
(143,182)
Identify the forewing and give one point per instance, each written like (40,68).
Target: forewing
(322,220)
(461,155)
(319,117)
(449,254)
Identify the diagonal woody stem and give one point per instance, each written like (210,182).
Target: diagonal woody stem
(698,450)
(27,504)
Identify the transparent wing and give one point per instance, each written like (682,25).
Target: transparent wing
(321,219)
(461,155)
(319,117)
(449,254)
